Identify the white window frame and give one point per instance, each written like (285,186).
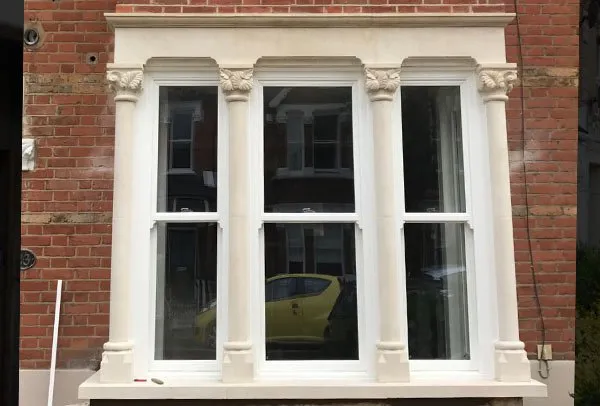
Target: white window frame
(147,120)
(319,76)
(476,217)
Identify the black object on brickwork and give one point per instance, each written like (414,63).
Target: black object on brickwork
(11,102)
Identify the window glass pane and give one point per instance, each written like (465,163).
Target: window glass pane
(187,150)
(314,286)
(186,314)
(182,128)
(308,149)
(438,325)
(326,127)
(325,155)
(432,144)
(181,155)
(310,309)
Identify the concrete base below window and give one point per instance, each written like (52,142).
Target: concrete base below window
(425,386)
(34,390)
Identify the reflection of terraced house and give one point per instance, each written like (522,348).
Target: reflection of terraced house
(309,168)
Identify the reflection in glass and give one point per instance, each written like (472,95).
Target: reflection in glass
(310,292)
(432,144)
(308,149)
(187,151)
(438,325)
(186,291)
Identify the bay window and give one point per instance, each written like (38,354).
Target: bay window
(314,285)
(297,217)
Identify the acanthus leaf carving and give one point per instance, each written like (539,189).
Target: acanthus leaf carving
(493,80)
(125,82)
(27,154)
(236,80)
(377,80)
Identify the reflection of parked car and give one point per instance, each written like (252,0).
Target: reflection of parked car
(341,334)
(296,309)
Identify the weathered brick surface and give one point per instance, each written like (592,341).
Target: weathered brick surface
(67,199)
(547,148)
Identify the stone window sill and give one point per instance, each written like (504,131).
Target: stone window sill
(190,387)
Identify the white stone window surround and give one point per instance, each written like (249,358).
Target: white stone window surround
(380,41)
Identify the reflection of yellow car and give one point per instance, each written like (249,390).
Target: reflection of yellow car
(297,307)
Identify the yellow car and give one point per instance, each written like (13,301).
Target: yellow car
(297,307)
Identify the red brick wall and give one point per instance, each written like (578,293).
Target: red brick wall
(549,38)
(67,199)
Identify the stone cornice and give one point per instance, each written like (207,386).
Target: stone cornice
(397,20)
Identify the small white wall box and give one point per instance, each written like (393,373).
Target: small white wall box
(28,154)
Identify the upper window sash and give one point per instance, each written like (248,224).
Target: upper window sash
(463,79)
(202,78)
(267,77)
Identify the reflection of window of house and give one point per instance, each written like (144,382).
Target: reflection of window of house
(182,132)
(320,249)
(326,143)
(318,136)
(181,142)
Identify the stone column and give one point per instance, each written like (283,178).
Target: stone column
(238,361)
(392,351)
(117,359)
(510,359)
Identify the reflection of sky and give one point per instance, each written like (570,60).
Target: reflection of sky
(440,272)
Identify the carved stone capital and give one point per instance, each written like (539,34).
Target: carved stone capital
(382,84)
(27,154)
(126,85)
(495,84)
(236,84)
